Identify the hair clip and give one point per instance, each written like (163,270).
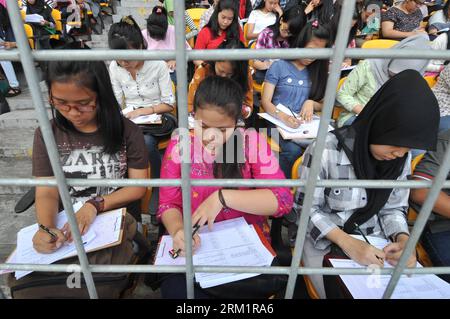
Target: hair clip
(127,20)
(315,24)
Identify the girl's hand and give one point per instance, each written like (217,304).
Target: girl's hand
(171,65)
(277,9)
(85,217)
(307,110)
(290,120)
(310,7)
(363,253)
(208,211)
(44,243)
(393,252)
(179,242)
(133,114)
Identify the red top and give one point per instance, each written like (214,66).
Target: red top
(206,39)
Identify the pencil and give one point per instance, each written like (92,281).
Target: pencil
(367,241)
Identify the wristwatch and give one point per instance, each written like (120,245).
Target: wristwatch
(98,202)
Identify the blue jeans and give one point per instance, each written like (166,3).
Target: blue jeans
(290,152)
(444,123)
(436,245)
(155,167)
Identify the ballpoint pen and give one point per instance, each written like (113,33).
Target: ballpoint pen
(54,237)
(367,241)
(174,254)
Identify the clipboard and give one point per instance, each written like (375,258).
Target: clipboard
(12,256)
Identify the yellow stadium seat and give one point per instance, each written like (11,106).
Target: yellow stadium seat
(195,14)
(256,87)
(431,80)
(245,35)
(379,44)
(56,15)
(30,35)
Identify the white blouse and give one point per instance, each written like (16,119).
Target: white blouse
(151,87)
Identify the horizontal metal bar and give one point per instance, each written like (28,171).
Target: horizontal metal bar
(220,182)
(222,269)
(235,54)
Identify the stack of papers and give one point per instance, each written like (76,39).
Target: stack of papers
(34,18)
(145,119)
(373,286)
(230,243)
(304,131)
(104,232)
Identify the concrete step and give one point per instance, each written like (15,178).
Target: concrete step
(24,101)
(11,223)
(16,143)
(21,119)
(16,167)
(139,14)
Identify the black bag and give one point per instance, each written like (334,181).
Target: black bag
(168,125)
(48,285)
(4,106)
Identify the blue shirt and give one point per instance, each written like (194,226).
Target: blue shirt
(292,86)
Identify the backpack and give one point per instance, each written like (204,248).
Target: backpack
(51,285)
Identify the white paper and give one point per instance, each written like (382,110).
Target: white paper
(34,18)
(347,68)
(373,286)
(144,119)
(230,243)
(104,231)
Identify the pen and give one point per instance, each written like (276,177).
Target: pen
(54,237)
(367,241)
(174,254)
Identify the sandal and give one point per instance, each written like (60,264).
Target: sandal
(13,92)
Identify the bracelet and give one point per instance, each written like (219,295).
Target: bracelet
(222,200)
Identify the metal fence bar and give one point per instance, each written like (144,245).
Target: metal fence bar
(420,222)
(24,55)
(232,54)
(330,96)
(181,70)
(225,183)
(30,73)
(223,269)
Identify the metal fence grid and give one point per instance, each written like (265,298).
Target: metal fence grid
(337,54)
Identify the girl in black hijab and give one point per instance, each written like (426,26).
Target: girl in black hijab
(402,115)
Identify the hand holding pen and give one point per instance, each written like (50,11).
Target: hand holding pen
(179,237)
(379,257)
(47,240)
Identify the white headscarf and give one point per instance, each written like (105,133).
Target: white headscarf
(382,67)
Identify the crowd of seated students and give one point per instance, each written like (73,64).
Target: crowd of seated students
(385,102)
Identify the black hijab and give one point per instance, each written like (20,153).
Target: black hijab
(403,112)
(39,7)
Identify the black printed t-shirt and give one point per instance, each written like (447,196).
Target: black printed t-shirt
(81,156)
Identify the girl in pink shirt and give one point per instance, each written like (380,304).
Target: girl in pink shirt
(217,106)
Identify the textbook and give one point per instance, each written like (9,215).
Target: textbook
(373,286)
(144,119)
(106,231)
(231,243)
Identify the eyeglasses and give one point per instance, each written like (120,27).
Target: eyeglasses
(84,107)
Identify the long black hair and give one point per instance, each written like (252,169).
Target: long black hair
(240,68)
(295,17)
(233,29)
(225,95)
(157,23)
(126,34)
(318,70)
(260,5)
(94,76)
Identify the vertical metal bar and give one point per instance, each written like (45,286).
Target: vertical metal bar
(419,225)
(330,95)
(181,70)
(33,82)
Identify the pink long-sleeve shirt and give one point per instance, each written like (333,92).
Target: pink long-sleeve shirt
(260,163)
